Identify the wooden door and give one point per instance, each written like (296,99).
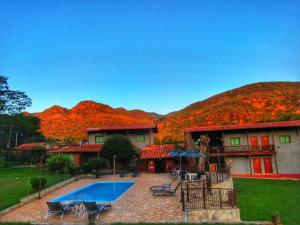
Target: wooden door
(151,166)
(254,143)
(76,159)
(265,142)
(256,165)
(268,165)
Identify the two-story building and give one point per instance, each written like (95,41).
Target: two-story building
(254,149)
(139,135)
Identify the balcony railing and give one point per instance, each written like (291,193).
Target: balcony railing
(242,149)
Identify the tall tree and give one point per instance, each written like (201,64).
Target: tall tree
(12,101)
(19,128)
(120,147)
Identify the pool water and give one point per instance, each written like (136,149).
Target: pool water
(108,191)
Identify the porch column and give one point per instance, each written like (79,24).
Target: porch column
(250,165)
(275,152)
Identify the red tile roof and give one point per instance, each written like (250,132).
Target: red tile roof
(157,151)
(129,127)
(78,149)
(292,123)
(28,146)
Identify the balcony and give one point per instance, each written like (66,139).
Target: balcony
(241,150)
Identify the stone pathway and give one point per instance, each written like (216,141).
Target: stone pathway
(136,205)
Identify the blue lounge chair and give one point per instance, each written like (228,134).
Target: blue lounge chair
(165,191)
(123,174)
(163,185)
(136,173)
(93,207)
(57,208)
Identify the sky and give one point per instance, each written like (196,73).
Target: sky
(158,56)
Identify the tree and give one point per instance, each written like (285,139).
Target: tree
(12,101)
(202,145)
(97,164)
(203,142)
(119,146)
(19,128)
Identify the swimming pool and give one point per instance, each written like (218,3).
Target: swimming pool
(108,191)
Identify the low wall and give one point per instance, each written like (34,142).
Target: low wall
(228,215)
(224,215)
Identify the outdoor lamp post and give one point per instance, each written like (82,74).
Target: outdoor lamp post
(40,177)
(115,164)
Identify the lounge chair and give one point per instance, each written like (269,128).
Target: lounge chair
(57,208)
(135,173)
(165,191)
(123,174)
(93,207)
(162,185)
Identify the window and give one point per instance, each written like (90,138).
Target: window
(235,141)
(140,137)
(99,139)
(285,139)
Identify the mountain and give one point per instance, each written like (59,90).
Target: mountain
(248,104)
(61,123)
(252,103)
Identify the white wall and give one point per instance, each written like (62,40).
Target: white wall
(131,136)
(288,155)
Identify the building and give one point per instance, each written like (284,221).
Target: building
(79,153)
(156,159)
(139,135)
(31,146)
(269,148)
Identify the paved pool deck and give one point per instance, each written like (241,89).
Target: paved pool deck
(136,205)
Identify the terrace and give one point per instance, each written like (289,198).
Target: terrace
(137,205)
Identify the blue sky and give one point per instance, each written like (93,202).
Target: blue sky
(152,55)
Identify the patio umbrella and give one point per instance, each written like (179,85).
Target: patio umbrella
(187,153)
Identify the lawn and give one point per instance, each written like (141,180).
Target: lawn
(259,199)
(15,183)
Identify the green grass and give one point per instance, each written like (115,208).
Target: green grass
(15,183)
(171,224)
(259,199)
(14,223)
(20,223)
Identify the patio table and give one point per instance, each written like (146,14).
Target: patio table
(191,176)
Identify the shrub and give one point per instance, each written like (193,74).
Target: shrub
(59,163)
(35,182)
(74,170)
(97,164)
(86,168)
(2,162)
(119,146)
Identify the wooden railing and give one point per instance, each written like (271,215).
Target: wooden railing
(199,194)
(241,148)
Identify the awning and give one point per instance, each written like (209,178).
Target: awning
(157,152)
(187,153)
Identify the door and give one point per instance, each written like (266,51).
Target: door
(151,166)
(254,143)
(256,165)
(265,143)
(268,165)
(160,166)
